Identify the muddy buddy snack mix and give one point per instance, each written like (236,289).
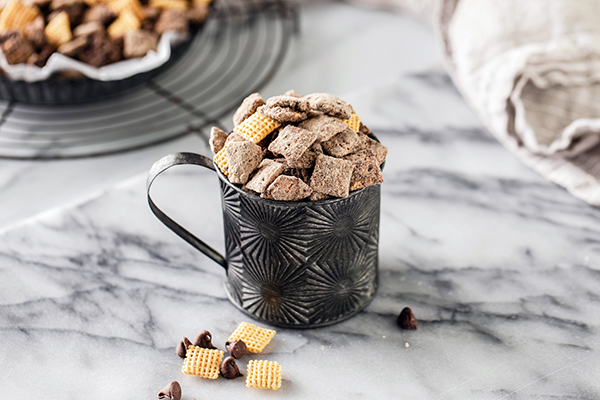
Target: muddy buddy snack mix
(97,32)
(298,148)
(263,374)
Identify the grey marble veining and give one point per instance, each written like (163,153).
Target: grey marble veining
(499,266)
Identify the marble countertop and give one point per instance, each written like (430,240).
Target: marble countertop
(500,266)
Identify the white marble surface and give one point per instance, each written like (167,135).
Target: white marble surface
(500,267)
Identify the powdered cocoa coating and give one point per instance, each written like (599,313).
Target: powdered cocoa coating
(377,148)
(287,188)
(74,47)
(89,28)
(172,20)
(34,32)
(247,108)
(292,142)
(324,126)
(316,196)
(307,160)
(139,43)
(16,48)
(329,104)
(292,102)
(341,144)
(282,114)
(331,176)
(266,173)
(217,139)
(366,169)
(243,158)
(99,13)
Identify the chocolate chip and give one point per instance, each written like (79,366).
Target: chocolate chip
(237,348)
(172,391)
(204,339)
(406,319)
(229,369)
(182,347)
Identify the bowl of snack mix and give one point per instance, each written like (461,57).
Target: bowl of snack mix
(70,51)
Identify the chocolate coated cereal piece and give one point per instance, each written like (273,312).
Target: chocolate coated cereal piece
(287,188)
(40,58)
(332,176)
(247,108)
(237,348)
(364,129)
(204,340)
(292,93)
(34,32)
(172,20)
(292,142)
(182,346)
(366,169)
(295,103)
(99,13)
(74,47)
(234,137)
(217,139)
(316,196)
(100,51)
(282,114)
(341,144)
(377,148)
(197,13)
(243,157)
(324,126)
(229,369)
(138,43)
(171,392)
(88,29)
(16,48)
(329,104)
(307,160)
(406,319)
(265,175)
(300,173)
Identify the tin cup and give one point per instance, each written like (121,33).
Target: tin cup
(290,264)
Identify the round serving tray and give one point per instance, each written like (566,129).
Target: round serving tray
(238,50)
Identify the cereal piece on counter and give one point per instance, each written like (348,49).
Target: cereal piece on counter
(316,196)
(89,29)
(247,108)
(256,127)
(329,104)
(197,14)
(172,20)
(34,32)
(139,43)
(256,338)
(307,160)
(74,47)
(292,93)
(267,172)
(282,114)
(263,374)
(332,176)
(353,123)
(287,188)
(99,13)
(16,48)
(127,21)
(341,144)
(171,392)
(217,139)
(324,126)
(229,369)
(292,142)
(295,103)
(17,15)
(366,169)
(221,160)
(172,4)
(58,30)
(202,362)
(243,158)
(377,148)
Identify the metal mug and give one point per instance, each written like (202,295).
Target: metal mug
(291,264)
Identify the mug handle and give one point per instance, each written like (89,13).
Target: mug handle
(158,168)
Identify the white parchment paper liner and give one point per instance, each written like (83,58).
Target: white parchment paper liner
(112,72)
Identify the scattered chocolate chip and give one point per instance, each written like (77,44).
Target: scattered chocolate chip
(229,369)
(172,391)
(237,348)
(182,347)
(204,339)
(406,319)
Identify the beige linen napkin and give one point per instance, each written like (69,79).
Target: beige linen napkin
(531,69)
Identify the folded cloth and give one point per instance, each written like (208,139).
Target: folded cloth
(531,69)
